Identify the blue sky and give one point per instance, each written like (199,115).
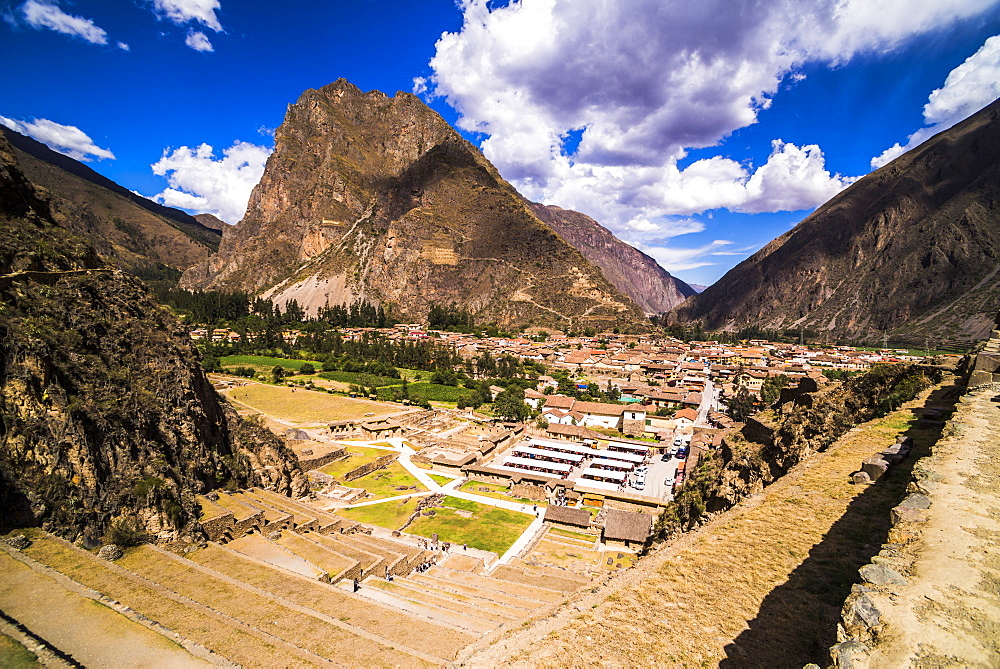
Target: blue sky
(695,131)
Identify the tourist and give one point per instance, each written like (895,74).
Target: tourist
(464,547)
(357,586)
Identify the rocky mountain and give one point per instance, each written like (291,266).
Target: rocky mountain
(376,197)
(210,221)
(106,417)
(911,251)
(128,230)
(628,269)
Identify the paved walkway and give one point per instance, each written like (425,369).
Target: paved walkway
(450,488)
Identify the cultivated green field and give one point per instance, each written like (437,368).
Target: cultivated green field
(384,482)
(489,528)
(495,490)
(390,515)
(432,392)
(304,406)
(360,455)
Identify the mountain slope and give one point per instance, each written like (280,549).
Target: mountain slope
(630,270)
(912,251)
(105,412)
(128,230)
(367,196)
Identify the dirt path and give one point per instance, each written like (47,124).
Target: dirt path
(948,615)
(92,634)
(761,585)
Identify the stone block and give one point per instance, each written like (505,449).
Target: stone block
(905,514)
(917,501)
(880,574)
(905,441)
(850,655)
(860,478)
(875,467)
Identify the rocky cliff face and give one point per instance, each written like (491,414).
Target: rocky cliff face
(807,422)
(104,410)
(127,230)
(628,269)
(367,196)
(910,250)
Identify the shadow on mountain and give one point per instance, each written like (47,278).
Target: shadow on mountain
(797,622)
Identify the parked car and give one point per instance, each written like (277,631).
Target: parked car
(666,457)
(639,485)
(669,481)
(682,452)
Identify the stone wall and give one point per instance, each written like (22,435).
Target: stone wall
(530,491)
(366,469)
(928,598)
(321,460)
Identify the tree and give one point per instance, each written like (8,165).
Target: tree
(510,405)
(741,406)
(277,373)
(306,368)
(210,363)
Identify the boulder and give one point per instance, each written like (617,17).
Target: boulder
(861,478)
(20,542)
(110,552)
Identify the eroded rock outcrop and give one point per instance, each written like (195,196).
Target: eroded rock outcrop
(105,413)
(376,197)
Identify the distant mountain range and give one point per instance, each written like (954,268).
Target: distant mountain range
(128,230)
(910,252)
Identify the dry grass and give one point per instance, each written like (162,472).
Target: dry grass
(328,561)
(298,628)
(385,622)
(228,641)
(760,586)
(305,406)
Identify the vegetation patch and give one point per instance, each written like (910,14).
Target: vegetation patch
(391,515)
(386,482)
(360,455)
(496,491)
(488,529)
(303,406)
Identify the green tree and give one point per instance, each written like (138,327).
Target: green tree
(741,406)
(306,368)
(510,405)
(278,373)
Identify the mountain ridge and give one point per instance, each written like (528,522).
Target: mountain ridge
(631,271)
(374,197)
(908,252)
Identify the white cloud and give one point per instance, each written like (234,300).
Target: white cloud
(66,139)
(199,181)
(967,89)
(419,85)
(647,81)
(123,46)
(182,11)
(679,260)
(198,41)
(47,14)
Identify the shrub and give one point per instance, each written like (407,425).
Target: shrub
(126,532)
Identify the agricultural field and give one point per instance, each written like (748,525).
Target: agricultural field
(304,406)
(384,482)
(496,491)
(390,515)
(359,455)
(478,525)
(432,392)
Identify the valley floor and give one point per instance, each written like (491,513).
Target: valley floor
(760,585)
